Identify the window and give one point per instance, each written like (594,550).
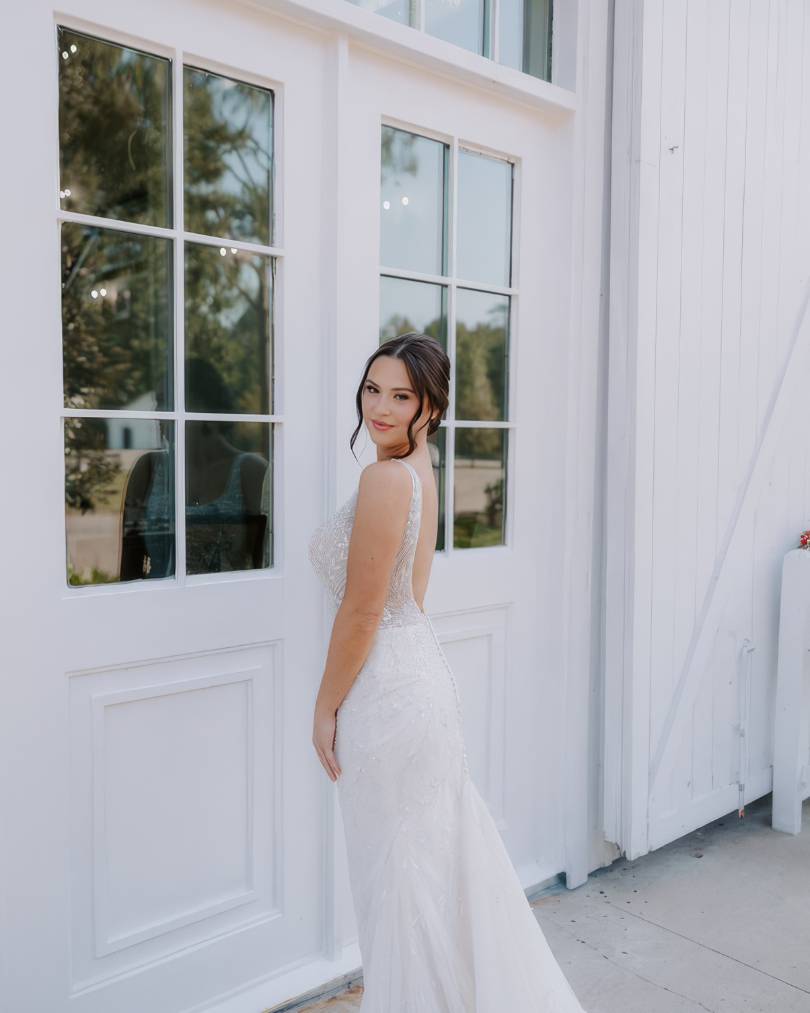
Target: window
(446,270)
(516,33)
(167,310)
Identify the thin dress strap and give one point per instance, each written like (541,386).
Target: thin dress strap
(411,469)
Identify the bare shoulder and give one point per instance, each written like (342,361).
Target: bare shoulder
(385,483)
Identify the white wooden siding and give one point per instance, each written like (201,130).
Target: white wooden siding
(707,467)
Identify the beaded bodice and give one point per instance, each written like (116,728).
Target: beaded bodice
(329,552)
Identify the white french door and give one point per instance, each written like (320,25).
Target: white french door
(165,804)
(450,224)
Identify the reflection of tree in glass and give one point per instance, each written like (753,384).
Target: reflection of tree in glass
(398,153)
(115,139)
(228,313)
(91,472)
(114,130)
(228,180)
(228,157)
(494,507)
(481,363)
(116,344)
(401,323)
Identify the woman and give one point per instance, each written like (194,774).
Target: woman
(444,925)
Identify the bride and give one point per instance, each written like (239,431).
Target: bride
(444,925)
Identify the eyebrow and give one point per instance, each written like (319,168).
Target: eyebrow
(369,380)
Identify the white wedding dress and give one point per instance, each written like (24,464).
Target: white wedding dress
(444,925)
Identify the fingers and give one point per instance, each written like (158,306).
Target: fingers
(328,761)
(333,762)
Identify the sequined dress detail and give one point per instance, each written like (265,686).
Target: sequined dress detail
(443,923)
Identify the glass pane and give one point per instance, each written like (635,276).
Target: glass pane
(119,499)
(482,355)
(479,487)
(412,306)
(116,319)
(229,338)
(510,33)
(228,160)
(525,36)
(114,130)
(397,10)
(437,448)
(413,185)
(228,496)
(484,219)
(458,21)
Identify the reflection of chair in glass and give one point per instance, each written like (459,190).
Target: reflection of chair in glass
(147,541)
(227,498)
(225,531)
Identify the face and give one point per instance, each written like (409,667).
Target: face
(389,403)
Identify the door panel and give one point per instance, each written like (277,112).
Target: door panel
(165,833)
(492,586)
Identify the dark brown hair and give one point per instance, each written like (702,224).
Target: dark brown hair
(429,371)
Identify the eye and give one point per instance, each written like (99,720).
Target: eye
(371,389)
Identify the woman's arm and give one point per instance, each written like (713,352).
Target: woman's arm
(381,513)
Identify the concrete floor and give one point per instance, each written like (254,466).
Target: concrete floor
(717,921)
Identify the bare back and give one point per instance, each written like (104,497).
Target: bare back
(428,529)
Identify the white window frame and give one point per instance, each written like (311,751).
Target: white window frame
(178,236)
(451,282)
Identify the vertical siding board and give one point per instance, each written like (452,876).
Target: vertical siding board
(668,286)
(729,459)
(768,355)
(770,352)
(804,231)
(790,269)
(750,304)
(697,59)
(619,691)
(776,513)
(751,287)
(710,338)
(766,549)
(636,837)
(712,305)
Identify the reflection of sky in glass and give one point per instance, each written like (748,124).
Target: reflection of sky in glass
(458,21)
(397,10)
(410,306)
(412,196)
(484,218)
(510,25)
(243,154)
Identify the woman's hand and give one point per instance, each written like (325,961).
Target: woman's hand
(324,727)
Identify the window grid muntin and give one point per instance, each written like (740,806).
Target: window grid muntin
(178,236)
(452,283)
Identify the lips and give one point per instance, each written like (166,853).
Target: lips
(380,425)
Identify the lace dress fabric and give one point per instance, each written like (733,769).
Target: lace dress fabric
(443,923)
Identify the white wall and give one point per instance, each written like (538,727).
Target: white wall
(707,461)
